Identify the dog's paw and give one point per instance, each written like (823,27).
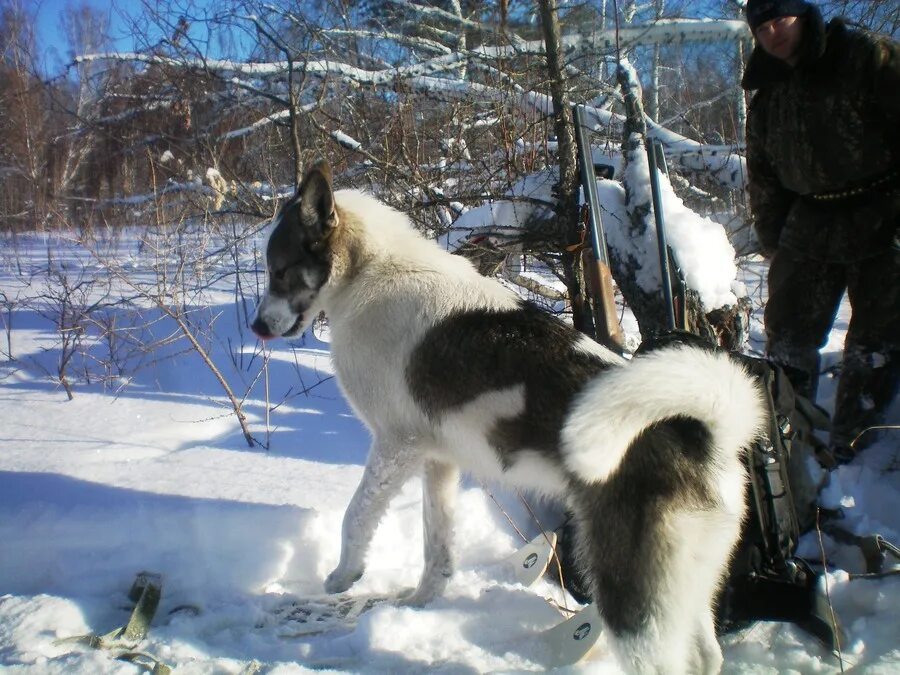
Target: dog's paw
(421,596)
(339,581)
(416,598)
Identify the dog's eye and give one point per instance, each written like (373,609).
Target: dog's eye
(279,275)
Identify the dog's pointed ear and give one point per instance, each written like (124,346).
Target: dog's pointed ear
(317,199)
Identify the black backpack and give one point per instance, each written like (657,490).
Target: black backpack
(766,580)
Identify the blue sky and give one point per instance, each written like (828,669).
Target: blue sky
(54,46)
(51,38)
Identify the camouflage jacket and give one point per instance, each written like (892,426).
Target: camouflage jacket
(818,131)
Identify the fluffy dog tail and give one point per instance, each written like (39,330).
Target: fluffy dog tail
(681,381)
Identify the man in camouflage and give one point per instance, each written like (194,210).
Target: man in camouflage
(823,156)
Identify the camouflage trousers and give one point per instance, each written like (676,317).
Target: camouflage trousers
(804,297)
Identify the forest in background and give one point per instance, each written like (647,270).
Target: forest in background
(197,133)
(430,99)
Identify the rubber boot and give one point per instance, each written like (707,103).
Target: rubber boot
(867,386)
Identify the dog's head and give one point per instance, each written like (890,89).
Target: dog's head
(298,257)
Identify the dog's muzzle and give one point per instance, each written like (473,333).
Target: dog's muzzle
(262,330)
(274,318)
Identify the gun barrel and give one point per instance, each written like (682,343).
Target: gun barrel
(609,332)
(661,231)
(589,185)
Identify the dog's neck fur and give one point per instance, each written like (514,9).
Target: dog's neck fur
(379,256)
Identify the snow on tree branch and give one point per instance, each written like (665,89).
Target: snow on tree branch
(414,41)
(440,76)
(666,31)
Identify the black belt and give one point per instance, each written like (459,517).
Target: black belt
(884,180)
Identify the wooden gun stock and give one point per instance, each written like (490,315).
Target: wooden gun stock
(600,285)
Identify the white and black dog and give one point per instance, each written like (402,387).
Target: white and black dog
(450,370)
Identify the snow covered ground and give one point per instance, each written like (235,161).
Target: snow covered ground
(154,474)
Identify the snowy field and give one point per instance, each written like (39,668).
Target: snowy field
(146,469)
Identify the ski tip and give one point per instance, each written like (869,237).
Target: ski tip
(530,562)
(570,641)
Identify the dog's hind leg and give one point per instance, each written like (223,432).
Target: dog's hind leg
(440,486)
(389,465)
(677,633)
(665,642)
(709,653)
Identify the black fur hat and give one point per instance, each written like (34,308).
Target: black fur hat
(760,11)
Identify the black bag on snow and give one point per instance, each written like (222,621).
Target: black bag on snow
(766,580)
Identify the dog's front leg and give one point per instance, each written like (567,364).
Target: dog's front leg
(388,467)
(439,488)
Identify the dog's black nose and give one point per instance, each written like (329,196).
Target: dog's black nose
(261,328)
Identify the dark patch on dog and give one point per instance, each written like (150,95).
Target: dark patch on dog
(620,521)
(472,353)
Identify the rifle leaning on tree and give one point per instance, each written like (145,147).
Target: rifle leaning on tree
(673,285)
(596,258)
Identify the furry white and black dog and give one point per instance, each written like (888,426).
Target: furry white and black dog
(450,370)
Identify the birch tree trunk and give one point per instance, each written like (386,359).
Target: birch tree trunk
(655,68)
(741,99)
